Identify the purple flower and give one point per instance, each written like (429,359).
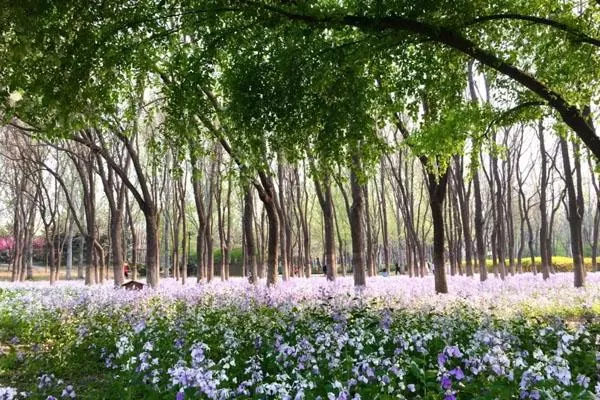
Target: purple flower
(179,396)
(442,359)
(457,373)
(583,381)
(446,382)
(450,396)
(453,351)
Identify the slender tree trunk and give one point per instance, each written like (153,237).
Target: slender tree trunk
(266,193)
(250,250)
(261,233)
(69,261)
(510,230)
(134,240)
(595,229)
(369,232)
(178,217)
(340,242)
(356,224)
(227,250)
(575,211)
(437,192)
(272,246)
(283,238)
(303,211)
(499,220)
(323,190)
(81,258)
(545,252)
(152,244)
(479,239)
(463,203)
(118,258)
(384,221)
(202,220)
(185,241)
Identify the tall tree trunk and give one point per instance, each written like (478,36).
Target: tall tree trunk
(272,246)
(510,229)
(596,223)
(261,231)
(281,214)
(384,221)
(499,220)
(369,232)
(303,213)
(202,220)
(449,230)
(479,239)
(545,252)
(134,240)
(249,250)
(227,250)
(118,258)
(266,193)
(340,242)
(574,210)
(437,193)
(479,223)
(69,261)
(323,190)
(356,224)
(464,206)
(152,244)
(81,258)
(176,228)
(185,236)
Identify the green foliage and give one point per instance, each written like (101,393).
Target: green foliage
(289,79)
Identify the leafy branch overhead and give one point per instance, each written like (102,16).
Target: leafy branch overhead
(293,74)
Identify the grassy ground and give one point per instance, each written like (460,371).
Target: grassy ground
(40,273)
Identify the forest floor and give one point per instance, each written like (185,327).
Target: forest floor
(523,338)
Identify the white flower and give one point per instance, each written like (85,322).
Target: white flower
(15,97)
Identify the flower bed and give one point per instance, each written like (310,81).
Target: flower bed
(305,339)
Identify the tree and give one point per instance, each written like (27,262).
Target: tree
(575,209)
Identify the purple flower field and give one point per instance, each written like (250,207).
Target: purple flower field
(304,339)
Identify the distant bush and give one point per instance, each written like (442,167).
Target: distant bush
(560,264)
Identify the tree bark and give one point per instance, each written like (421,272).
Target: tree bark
(574,210)
(250,247)
(266,193)
(464,206)
(281,214)
(323,190)
(384,221)
(356,224)
(152,243)
(479,239)
(437,193)
(544,251)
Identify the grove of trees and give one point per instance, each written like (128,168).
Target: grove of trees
(372,136)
